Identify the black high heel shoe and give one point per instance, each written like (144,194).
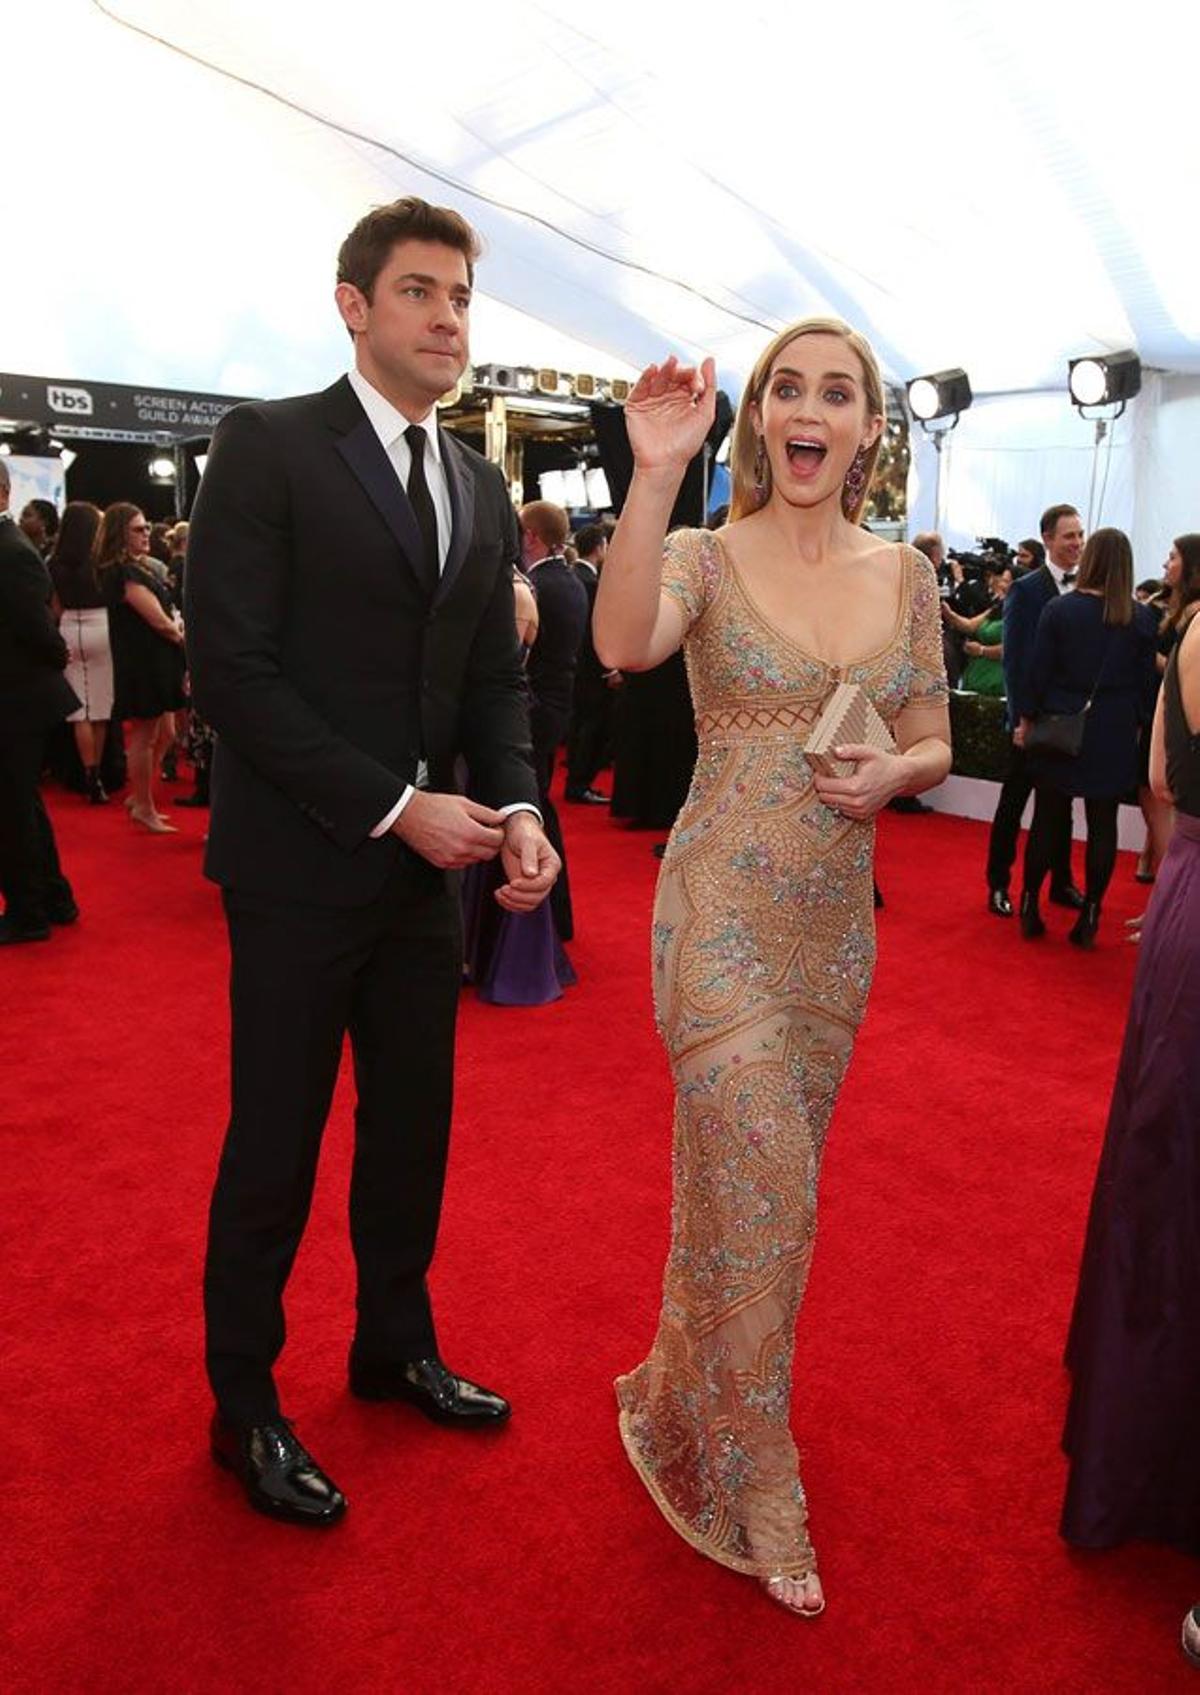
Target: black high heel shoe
(1031,919)
(1083,931)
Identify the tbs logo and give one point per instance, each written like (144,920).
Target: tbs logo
(75,401)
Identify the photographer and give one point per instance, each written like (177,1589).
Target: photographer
(983,635)
(961,586)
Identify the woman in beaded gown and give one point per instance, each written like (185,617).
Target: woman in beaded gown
(763,932)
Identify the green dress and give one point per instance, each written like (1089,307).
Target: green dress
(985,676)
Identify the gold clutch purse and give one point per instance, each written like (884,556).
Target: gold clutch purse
(848,717)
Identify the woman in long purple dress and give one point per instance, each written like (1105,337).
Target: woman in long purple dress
(1134,1348)
(512,958)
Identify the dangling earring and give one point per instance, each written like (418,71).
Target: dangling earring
(760,469)
(855,481)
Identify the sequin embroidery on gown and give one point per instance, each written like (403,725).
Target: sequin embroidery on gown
(763,947)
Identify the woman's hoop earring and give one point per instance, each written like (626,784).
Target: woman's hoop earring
(855,480)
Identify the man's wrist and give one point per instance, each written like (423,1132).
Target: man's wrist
(519,809)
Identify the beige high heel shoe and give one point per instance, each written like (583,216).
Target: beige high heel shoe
(153,822)
(130,806)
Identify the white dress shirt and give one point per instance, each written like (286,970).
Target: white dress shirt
(389,425)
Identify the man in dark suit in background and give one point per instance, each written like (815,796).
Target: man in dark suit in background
(590,733)
(1062,536)
(350,632)
(562,619)
(34,696)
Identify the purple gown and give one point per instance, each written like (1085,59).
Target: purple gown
(1133,1424)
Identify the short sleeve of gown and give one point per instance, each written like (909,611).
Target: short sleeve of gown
(689,568)
(927,686)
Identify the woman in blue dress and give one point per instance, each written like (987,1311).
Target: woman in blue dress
(1096,645)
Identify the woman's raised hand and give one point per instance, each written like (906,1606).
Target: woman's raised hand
(669,412)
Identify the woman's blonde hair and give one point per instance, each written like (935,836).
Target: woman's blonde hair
(748,495)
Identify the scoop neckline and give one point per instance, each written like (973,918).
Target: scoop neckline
(799,647)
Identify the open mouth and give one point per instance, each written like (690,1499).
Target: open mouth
(806,454)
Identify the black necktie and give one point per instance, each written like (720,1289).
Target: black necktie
(422,505)
(1068,579)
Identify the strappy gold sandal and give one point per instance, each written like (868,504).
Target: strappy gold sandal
(776,1588)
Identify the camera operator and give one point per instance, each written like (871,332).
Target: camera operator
(961,586)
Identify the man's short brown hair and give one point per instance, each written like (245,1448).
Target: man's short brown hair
(367,248)
(1051,516)
(549,523)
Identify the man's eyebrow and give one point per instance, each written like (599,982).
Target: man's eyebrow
(423,277)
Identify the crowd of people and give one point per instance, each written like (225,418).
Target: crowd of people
(379,725)
(1057,630)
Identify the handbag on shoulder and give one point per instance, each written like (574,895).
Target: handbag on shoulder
(1061,733)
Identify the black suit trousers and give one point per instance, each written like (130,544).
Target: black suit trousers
(1006,827)
(387,974)
(589,737)
(31,877)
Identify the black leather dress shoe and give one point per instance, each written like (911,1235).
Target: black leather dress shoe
(63,912)
(1066,894)
(432,1389)
(999,903)
(586,797)
(17,932)
(279,1475)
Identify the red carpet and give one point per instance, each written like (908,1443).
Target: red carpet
(929,1389)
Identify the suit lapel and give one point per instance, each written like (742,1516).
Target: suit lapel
(461,482)
(363,451)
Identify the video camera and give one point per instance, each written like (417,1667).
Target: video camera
(993,551)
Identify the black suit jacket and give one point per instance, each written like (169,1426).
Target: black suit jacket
(589,673)
(34,694)
(320,659)
(562,620)
(1022,610)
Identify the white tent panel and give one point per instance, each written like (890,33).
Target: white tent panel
(996,188)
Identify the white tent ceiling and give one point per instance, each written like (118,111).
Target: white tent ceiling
(993,187)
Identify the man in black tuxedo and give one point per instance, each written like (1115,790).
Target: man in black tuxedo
(1062,536)
(350,631)
(590,732)
(562,619)
(34,696)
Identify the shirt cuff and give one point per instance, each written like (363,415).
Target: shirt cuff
(520,806)
(385,824)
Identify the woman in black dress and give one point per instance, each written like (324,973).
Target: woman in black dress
(1095,645)
(1134,1348)
(147,647)
(83,625)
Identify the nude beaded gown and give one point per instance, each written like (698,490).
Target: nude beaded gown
(763,950)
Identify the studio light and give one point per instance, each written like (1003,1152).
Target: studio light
(1108,379)
(504,379)
(942,395)
(162,470)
